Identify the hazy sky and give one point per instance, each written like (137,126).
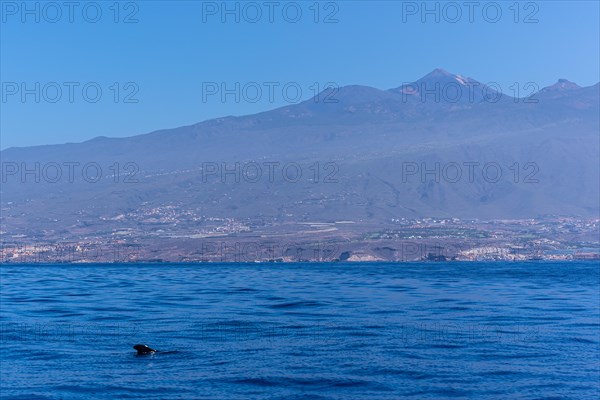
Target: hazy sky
(164,64)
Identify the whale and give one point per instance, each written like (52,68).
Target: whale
(143,350)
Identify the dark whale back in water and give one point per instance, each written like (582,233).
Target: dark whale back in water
(142,349)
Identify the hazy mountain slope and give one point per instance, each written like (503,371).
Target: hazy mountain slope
(370,135)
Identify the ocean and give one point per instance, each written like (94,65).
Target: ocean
(301,331)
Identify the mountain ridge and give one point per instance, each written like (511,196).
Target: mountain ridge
(547,152)
(352,95)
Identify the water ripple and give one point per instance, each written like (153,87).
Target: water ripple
(302,331)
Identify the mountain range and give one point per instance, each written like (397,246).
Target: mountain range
(445,145)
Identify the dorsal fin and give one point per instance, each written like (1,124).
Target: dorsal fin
(143,349)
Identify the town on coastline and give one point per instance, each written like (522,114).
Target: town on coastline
(169,234)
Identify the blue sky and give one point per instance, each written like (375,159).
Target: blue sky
(169,53)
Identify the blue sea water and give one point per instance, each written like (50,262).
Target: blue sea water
(301,331)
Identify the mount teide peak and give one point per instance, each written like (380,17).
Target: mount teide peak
(426,96)
(438,79)
(441,86)
(441,76)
